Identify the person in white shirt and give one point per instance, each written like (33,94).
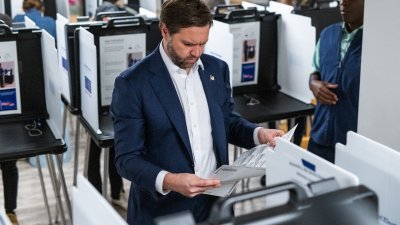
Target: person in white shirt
(173,118)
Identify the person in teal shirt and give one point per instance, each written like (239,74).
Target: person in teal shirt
(335,82)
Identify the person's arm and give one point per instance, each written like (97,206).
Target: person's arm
(188,184)
(130,149)
(321,89)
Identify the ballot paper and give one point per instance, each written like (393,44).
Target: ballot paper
(251,163)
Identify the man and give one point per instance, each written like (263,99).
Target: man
(336,80)
(173,118)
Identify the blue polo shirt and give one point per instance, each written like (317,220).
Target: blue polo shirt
(338,60)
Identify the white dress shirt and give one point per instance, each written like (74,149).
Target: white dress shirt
(197,116)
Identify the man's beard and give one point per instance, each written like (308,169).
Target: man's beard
(180,62)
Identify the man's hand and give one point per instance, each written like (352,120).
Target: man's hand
(268,135)
(188,184)
(323,94)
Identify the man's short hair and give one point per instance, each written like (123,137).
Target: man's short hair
(177,14)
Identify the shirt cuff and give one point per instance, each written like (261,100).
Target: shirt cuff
(255,136)
(160,181)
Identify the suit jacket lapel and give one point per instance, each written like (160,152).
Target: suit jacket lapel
(217,120)
(165,90)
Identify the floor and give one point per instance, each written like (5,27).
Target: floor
(31,209)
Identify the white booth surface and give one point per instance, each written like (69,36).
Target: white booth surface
(62,56)
(90,208)
(379,106)
(289,162)
(88,79)
(52,84)
(296,45)
(377,166)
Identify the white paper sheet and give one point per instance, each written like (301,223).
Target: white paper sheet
(117,53)
(251,163)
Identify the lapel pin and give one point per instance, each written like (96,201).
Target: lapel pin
(212,77)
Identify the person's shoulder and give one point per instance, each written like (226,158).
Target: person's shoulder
(19,18)
(333,27)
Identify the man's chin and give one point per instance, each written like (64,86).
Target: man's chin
(187,65)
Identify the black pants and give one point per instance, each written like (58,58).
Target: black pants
(10,182)
(94,171)
(326,152)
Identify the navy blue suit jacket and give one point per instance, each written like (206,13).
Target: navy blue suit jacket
(151,134)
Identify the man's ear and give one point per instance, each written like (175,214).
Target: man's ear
(164,31)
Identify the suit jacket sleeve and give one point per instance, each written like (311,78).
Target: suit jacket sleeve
(129,134)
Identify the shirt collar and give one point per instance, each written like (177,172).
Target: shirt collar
(353,32)
(171,67)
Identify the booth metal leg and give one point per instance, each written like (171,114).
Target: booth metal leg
(56,188)
(64,123)
(85,165)
(63,184)
(76,152)
(106,152)
(46,202)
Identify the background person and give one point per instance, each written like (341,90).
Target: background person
(34,10)
(335,82)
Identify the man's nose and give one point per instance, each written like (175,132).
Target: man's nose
(197,51)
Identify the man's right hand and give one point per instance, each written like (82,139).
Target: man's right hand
(188,184)
(323,94)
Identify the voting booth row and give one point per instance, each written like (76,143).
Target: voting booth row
(30,109)
(91,55)
(264,61)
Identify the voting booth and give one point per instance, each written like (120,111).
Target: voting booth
(376,166)
(349,206)
(30,111)
(103,52)
(68,63)
(302,188)
(248,47)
